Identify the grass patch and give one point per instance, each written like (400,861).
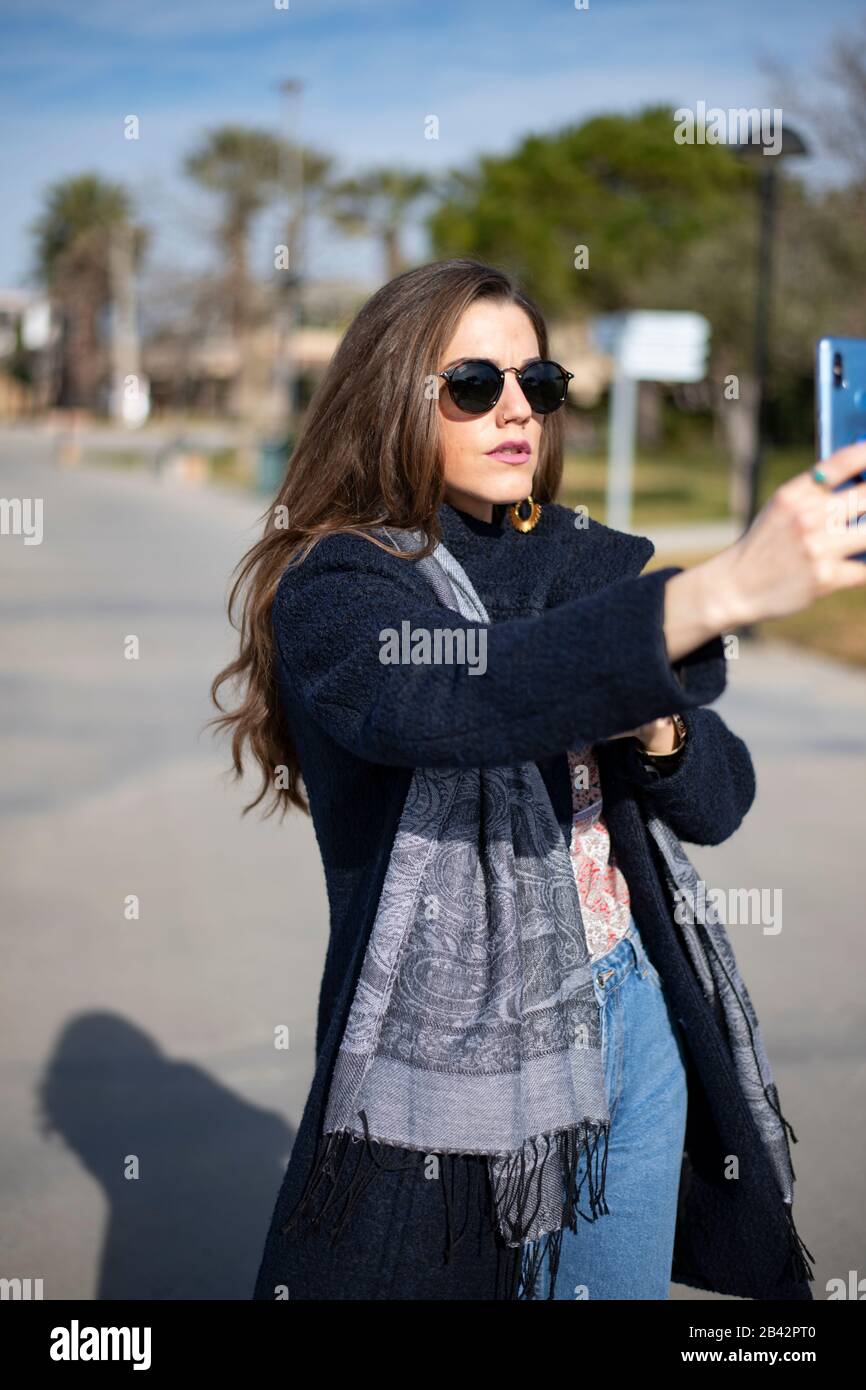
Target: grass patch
(674,486)
(118,458)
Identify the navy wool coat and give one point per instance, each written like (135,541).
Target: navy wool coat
(575,654)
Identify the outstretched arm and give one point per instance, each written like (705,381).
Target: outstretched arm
(581,671)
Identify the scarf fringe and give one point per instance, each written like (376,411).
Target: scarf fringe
(505,1201)
(329,1161)
(542,1254)
(800,1257)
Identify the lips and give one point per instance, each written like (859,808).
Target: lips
(511,451)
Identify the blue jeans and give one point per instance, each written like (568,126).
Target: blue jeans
(627,1253)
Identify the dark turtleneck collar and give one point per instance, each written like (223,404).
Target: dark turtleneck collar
(511,568)
(456,522)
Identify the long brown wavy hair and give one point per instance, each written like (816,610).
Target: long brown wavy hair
(368,455)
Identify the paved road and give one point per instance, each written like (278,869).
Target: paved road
(140,1088)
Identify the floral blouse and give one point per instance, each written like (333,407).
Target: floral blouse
(605,901)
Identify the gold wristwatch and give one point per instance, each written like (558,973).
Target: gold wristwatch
(680,725)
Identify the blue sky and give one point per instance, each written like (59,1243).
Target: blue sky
(372,71)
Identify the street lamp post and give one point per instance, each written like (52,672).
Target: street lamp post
(289,281)
(790,144)
(294,187)
(280,412)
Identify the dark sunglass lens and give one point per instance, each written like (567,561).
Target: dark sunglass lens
(474,386)
(544,386)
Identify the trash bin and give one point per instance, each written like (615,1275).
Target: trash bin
(273,459)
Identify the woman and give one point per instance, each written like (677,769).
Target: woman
(419,502)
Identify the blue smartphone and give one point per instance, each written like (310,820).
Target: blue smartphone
(840,401)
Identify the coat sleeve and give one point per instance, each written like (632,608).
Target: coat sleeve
(706,796)
(580,671)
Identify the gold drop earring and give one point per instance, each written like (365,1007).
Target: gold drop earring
(524,515)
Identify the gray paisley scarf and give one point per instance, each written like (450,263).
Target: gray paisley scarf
(474,1028)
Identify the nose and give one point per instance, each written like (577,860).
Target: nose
(512,404)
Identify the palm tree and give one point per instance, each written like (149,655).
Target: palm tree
(243,168)
(377,203)
(82,219)
(249,169)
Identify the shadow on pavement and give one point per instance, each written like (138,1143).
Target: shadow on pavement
(192,1223)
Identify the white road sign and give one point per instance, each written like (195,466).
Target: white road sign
(646,345)
(655,345)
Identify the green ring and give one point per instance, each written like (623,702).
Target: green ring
(818,474)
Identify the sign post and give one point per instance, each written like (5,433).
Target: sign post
(646,345)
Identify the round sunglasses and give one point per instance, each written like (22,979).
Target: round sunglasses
(476,385)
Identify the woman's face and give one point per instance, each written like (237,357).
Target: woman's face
(475,477)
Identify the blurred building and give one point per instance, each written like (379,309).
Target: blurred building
(28,338)
(191,362)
